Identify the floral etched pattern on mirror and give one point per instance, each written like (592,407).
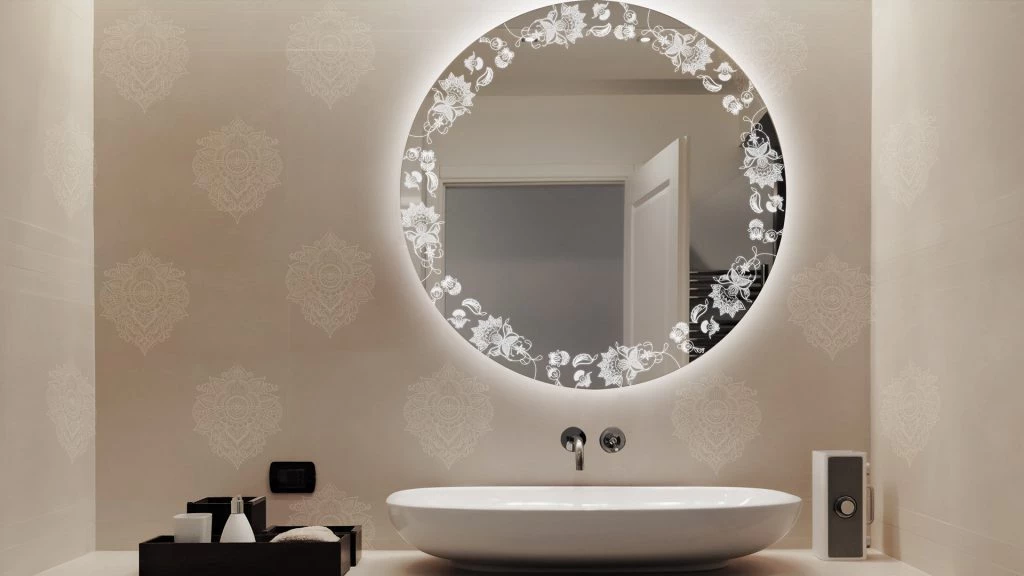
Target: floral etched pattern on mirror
(593,194)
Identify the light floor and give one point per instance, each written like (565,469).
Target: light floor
(405,563)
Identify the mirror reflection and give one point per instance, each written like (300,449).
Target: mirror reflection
(593,194)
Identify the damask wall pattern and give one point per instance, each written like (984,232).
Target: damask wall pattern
(777,47)
(831,302)
(448,412)
(68,160)
(144,55)
(329,280)
(237,166)
(144,298)
(911,404)
(237,411)
(717,418)
(71,405)
(329,506)
(264,155)
(330,51)
(909,152)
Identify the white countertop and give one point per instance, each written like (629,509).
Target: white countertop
(408,563)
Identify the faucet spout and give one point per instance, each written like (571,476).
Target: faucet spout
(573,439)
(577,449)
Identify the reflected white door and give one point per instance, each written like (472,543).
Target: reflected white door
(657,252)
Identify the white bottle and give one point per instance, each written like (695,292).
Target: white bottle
(237,528)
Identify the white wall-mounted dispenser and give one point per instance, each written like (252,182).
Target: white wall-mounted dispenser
(842,504)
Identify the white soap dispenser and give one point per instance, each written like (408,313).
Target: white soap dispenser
(237,528)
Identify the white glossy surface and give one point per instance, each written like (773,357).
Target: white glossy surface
(592,527)
(406,563)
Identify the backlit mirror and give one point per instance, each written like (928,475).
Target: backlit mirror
(593,194)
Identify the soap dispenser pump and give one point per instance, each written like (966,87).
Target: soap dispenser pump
(237,528)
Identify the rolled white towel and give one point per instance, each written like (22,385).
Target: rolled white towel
(307,534)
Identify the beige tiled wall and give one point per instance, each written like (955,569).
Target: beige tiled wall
(47,403)
(947,205)
(218,352)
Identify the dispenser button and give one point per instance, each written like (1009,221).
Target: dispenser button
(845,507)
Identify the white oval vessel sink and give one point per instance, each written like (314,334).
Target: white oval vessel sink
(591,527)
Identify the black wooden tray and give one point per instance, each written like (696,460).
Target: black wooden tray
(161,556)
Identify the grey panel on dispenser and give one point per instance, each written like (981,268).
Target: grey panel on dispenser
(845,480)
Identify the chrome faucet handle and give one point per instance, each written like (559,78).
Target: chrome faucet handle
(613,440)
(573,439)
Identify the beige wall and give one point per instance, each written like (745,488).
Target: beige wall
(339,377)
(47,408)
(946,211)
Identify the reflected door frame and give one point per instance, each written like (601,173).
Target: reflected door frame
(657,202)
(515,175)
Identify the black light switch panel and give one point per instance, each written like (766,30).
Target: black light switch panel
(292,477)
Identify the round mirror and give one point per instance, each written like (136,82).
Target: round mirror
(592,194)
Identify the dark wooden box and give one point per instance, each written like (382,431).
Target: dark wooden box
(255,508)
(162,557)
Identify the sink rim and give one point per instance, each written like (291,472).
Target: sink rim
(630,498)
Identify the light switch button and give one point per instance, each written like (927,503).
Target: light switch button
(845,507)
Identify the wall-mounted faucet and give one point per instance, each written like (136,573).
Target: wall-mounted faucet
(573,440)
